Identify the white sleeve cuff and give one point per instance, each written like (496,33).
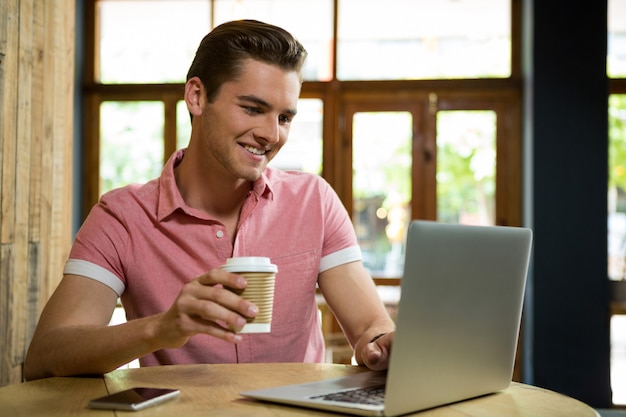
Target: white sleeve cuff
(95,272)
(340,257)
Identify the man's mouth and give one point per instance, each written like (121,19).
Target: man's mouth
(254,150)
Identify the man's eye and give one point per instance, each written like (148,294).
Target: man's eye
(252,110)
(284,119)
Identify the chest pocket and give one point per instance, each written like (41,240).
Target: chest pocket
(294,299)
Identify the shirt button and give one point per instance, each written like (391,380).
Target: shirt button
(219,234)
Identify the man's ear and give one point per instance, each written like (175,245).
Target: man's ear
(194,96)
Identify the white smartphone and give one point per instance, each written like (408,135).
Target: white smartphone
(134,399)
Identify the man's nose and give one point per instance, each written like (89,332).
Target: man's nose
(269,131)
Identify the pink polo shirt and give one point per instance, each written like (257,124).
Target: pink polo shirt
(145,243)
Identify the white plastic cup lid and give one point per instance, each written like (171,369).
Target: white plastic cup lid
(249,264)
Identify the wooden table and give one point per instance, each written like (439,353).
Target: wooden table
(212,390)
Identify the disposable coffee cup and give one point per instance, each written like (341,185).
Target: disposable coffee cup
(261,275)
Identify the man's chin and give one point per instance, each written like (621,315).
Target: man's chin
(252,175)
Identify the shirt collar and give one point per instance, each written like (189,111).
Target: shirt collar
(171,200)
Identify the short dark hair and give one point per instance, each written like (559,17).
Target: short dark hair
(221,53)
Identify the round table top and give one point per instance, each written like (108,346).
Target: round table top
(213,390)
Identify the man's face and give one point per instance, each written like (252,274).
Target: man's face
(249,120)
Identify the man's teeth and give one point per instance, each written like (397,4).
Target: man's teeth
(254,150)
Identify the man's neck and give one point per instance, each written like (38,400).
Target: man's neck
(203,189)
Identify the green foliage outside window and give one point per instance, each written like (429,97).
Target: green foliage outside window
(617,145)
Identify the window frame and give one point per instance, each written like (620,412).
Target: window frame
(337,96)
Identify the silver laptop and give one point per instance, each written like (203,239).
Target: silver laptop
(457,325)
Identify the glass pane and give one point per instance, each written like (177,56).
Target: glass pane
(618,358)
(466,167)
(423,39)
(310,21)
(149,41)
(131,143)
(617,188)
(616,59)
(381,188)
(183,125)
(303,150)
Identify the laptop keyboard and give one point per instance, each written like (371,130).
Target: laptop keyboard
(369,395)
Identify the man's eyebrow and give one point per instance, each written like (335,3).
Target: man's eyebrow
(260,102)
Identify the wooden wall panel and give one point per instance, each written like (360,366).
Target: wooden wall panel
(36,127)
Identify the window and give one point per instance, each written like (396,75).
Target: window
(617,187)
(381,188)
(139,42)
(616,68)
(404,118)
(423,39)
(429,157)
(131,142)
(466,166)
(616,217)
(616,43)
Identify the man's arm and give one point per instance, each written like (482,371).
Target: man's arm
(73,336)
(351,295)
(72,333)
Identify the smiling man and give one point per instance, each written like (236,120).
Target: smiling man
(159,246)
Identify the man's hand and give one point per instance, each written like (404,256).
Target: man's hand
(205,305)
(375,354)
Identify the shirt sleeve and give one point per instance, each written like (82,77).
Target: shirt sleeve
(95,272)
(340,242)
(98,247)
(343,256)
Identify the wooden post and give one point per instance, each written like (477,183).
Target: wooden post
(36,128)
